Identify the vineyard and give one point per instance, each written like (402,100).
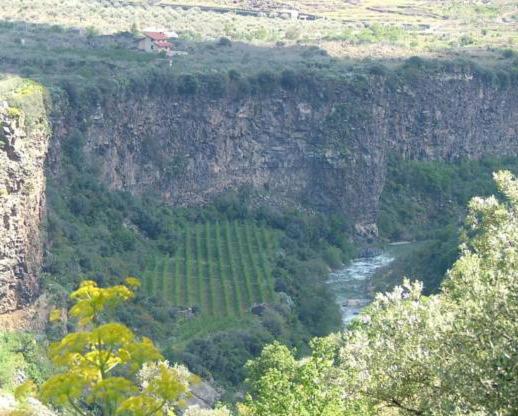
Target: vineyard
(222,267)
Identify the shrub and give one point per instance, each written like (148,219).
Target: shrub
(333,257)
(217,85)
(266,81)
(503,78)
(71,91)
(91,32)
(378,69)
(57,29)
(28,70)
(288,79)
(188,85)
(415,62)
(21,356)
(243,87)
(223,41)
(234,75)
(466,40)
(105,363)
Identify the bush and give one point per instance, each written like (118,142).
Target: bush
(503,79)
(21,357)
(288,79)
(217,85)
(378,69)
(28,71)
(91,32)
(234,75)
(188,85)
(224,354)
(415,62)
(333,257)
(223,41)
(466,40)
(266,81)
(508,53)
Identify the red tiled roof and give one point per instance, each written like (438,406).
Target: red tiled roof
(163,43)
(156,35)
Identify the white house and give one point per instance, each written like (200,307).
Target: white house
(157,41)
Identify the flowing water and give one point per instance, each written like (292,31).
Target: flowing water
(351,284)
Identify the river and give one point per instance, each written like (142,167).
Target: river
(351,284)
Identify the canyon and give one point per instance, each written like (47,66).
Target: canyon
(320,146)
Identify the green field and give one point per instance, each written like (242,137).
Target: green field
(222,267)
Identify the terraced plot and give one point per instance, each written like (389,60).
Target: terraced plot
(222,267)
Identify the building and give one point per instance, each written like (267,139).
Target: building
(157,41)
(288,13)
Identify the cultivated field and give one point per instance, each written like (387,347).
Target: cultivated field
(223,268)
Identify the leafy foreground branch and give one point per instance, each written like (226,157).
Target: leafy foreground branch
(455,353)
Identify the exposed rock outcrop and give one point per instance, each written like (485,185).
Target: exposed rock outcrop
(23,149)
(323,145)
(203,395)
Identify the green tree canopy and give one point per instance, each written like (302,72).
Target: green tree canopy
(408,354)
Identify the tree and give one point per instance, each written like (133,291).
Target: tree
(134,29)
(457,352)
(105,369)
(282,385)
(391,353)
(482,288)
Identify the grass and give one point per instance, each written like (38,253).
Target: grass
(223,268)
(25,97)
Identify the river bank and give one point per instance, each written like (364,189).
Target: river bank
(352,285)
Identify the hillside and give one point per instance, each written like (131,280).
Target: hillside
(84,40)
(368,28)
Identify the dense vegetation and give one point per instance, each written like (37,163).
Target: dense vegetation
(203,269)
(119,229)
(425,201)
(22,355)
(103,368)
(217,261)
(103,235)
(407,354)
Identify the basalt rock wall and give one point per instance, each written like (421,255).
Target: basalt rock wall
(322,145)
(23,148)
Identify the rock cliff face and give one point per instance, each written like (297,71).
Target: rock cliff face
(22,188)
(323,146)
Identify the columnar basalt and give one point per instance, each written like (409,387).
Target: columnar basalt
(22,194)
(322,146)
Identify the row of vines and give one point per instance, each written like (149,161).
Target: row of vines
(222,267)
